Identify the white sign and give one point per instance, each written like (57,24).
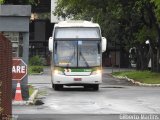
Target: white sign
(55,19)
(19,69)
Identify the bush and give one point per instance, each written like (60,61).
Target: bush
(35,69)
(36,61)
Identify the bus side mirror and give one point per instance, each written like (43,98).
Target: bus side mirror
(104,44)
(50,44)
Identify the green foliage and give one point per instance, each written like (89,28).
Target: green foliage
(31,89)
(144,34)
(141,76)
(31,1)
(157,9)
(35,69)
(156,2)
(2,1)
(36,61)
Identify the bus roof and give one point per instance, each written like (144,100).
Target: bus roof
(76,23)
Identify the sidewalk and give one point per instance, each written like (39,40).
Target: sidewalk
(44,78)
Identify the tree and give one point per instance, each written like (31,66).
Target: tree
(157,9)
(130,22)
(1,1)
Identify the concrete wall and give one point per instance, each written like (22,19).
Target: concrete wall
(15,18)
(15,10)
(14,24)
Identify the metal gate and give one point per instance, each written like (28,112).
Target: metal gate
(5,77)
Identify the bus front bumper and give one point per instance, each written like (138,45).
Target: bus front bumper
(63,79)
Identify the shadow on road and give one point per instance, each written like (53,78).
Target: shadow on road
(77,89)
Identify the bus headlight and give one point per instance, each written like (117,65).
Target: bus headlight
(58,72)
(96,72)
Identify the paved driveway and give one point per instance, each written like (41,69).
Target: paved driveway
(115,96)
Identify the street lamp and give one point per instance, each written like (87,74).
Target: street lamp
(147,42)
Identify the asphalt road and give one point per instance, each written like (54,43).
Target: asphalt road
(114,98)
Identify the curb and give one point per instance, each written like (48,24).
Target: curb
(30,100)
(32,97)
(136,82)
(37,73)
(19,102)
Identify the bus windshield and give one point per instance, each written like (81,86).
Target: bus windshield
(77,53)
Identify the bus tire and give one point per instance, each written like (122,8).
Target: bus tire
(52,85)
(57,87)
(86,86)
(96,87)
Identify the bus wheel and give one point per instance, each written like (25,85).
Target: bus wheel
(86,86)
(52,85)
(96,87)
(57,87)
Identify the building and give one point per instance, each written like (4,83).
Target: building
(40,30)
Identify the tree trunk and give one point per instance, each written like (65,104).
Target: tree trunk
(158,59)
(152,62)
(142,59)
(138,64)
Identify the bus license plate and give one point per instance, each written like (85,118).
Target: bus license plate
(77,79)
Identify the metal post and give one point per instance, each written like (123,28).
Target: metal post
(24,82)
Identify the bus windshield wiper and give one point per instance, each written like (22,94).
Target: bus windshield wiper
(71,58)
(84,59)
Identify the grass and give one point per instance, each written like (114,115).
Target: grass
(31,90)
(141,76)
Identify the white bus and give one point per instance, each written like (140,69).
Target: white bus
(76,48)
